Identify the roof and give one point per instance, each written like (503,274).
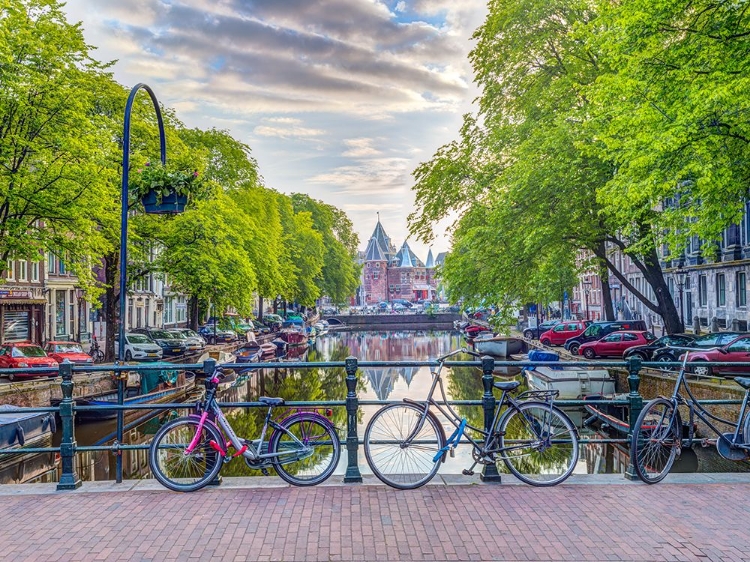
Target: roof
(430,260)
(374,252)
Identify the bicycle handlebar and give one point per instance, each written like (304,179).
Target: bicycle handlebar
(456,352)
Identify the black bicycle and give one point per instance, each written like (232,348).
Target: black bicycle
(659,435)
(537,442)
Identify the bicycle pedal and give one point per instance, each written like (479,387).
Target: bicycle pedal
(264,471)
(467,472)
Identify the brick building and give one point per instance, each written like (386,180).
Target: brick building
(389,274)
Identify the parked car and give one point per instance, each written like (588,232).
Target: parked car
(648,352)
(214,335)
(615,344)
(260,328)
(170,345)
(403,302)
(563,331)
(193,342)
(382,305)
(397,306)
(273,321)
(534,333)
(714,339)
(20,355)
(597,330)
(70,350)
(736,351)
(140,347)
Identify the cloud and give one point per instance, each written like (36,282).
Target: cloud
(360,148)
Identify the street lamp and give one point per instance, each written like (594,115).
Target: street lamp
(587,290)
(680,276)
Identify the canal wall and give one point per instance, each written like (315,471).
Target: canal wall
(38,393)
(440,321)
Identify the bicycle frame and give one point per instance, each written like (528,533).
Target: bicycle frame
(696,409)
(459,423)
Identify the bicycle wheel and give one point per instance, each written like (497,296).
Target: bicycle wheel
(539,445)
(98,356)
(173,466)
(394,463)
(309,449)
(656,440)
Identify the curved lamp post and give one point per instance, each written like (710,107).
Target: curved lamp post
(124,215)
(124,246)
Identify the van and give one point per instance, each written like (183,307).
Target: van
(597,330)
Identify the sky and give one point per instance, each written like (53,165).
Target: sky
(338,99)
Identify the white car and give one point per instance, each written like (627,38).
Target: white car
(139,347)
(192,340)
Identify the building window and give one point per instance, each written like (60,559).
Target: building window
(72,312)
(35,271)
(721,290)
(60,266)
(181,310)
(376,275)
(23,270)
(51,259)
(10,275)
(741,288)
(60,313)
(702,291)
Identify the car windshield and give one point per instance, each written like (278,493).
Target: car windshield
(138,338)
(190,333)
(28,351)
(68,348)
(162,335)
(178,335)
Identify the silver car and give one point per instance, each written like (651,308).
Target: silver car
(192,340)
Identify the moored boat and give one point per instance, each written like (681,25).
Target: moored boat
(19,428)
(498,346)
(609,416)
(571,382)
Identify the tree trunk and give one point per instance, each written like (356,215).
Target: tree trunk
(609,312)
(193,303)
(111,303)
(260,309)
(655,277)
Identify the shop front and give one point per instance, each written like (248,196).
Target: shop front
(21,316)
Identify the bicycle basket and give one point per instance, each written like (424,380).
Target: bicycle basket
(541,395)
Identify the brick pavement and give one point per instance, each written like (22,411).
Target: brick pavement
(622,521)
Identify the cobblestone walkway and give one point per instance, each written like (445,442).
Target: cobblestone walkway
(706,521)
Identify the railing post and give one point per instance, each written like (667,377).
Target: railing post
(352,408)
(489,471)
(68,479)
(121,378)
(635,406)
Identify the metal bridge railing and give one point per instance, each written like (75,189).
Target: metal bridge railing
(67,407)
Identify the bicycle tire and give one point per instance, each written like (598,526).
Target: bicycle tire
(747,428)
(313,466)
(98,356)
(172,467)
(656,440)
(405,468)
(533,454)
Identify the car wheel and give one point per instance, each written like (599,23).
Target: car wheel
(665,359)
(702,370)
(528,334)
(128,355)
(589,353)
(11,377)
(545,342)
(573,349)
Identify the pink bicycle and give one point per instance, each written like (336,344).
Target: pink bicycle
(187,453)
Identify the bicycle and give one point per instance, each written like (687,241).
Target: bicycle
(405,443)
(659,434)
(96,353)
(187,453)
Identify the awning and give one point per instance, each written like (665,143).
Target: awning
(22,301)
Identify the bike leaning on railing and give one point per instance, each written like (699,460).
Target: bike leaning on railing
(659,434)
(95,352)
(187,453)
(405,443)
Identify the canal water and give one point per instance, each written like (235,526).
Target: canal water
(317,384)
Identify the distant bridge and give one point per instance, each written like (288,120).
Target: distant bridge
(399,321)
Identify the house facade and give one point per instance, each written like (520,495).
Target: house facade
(389,273)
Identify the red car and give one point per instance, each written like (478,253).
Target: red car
(736,351)
(563,331)
(615,344)
(70,350)
(20,355)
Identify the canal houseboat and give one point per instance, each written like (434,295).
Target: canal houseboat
(571,382)
(498,346)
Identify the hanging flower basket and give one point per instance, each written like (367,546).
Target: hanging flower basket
(163,190)
(169,204)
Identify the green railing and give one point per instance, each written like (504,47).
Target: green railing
(67,408)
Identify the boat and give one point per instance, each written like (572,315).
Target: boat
(19,428)
(571,382)
(220,356)
(609,416)
(293,337)
(498,346)
(145,394)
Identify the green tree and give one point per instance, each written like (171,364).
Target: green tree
(54,183)
(339,277)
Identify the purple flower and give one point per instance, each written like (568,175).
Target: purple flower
(195,174)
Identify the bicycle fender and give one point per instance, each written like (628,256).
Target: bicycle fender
(540,405)
(310,416)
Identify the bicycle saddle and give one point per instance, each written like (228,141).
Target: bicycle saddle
(271,401)
(507,386)
(744,382)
